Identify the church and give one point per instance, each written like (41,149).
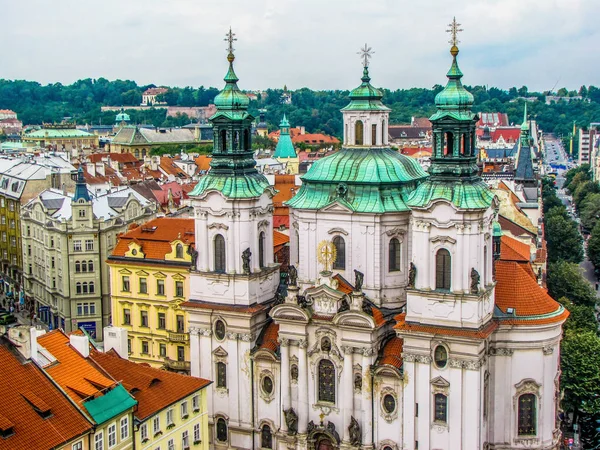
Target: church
(406,320)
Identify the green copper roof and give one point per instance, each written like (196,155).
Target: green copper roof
(58,133)
(465,195)
(366,180)
(525,124)
(285,147)
(497,229)
(111,404)
(231,98)
(239,186)
(454,100)
(366,97)
(122,116)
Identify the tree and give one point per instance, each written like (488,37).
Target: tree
(589,211)
(593,246)
(565,279)
(563,238)
(580,378)
(581,318)
(582,191)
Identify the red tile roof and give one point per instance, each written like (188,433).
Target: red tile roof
(22,386)
(416,151)
(167,164)
(508,134)
(156,242)
(392,353)
(154,389)
(421,122)
(514,250)
(343,285)
(117,157)
(269,339)
(274,135)
(279,240)
(408,327)
(315,139)
(279,221)
(203,162)
(517,288)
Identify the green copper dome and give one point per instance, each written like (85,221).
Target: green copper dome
(231,98)
(122,117)
(285,146)
(454,100)
(366,97)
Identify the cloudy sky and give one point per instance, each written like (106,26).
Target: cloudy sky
(310,43)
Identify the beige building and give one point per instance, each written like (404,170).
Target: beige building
(66,239)
(63,137)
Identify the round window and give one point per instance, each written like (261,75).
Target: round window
(220,330)
(134,252)
(440,356)
(267,385)
(389,403)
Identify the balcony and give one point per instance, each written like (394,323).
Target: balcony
(178,337)
(177,365)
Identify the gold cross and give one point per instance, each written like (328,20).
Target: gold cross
(322,416)
(365,53)
(230,37)
(454,30)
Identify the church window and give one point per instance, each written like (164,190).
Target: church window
(486,394)
(219,249)
(449,144)
(389,403)
(221,430)
(374,134)
(325,344)
(485,265)
(326,381)
(340,253)
(220,330)
(136,153)
(223,140)
(267,385)
(527,415)
(266,437)
(443,269)
(143,153)
(440,356)
(261,249)
(221,375)
(441,408)
(383,132)
(294,372)
(394,255)
(179,251)
(358,133)
(247,145)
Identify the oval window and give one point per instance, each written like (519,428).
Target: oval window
(440,356)
(267,385)
(389,403)
(220,330)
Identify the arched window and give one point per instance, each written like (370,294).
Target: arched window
(266,437)
(92,289)
(219,253)
(261,249)
(143,153)
(449,144)
(179,251)
(78,288)
(441,408)
(443,269)
(223,140)
(83,266)
(527,415)
(90,266)
(340,255)
(84,286)
(346,134)
(221,430)
(394,256)
(358,133)
(383,132)
(247,144)
(326,381)
(136,152)
(77,267)
(374,134)
(221,375)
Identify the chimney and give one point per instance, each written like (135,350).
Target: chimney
(116,338)
(25,340)
(81,344)
(91,169)
(100,169)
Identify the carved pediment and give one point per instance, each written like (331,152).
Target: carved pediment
(443,239)
(354,319)
(396,231)
(337,207)
(338,230)
(288,311)
(220,351)
(440,382)
(218,226)
(325,300)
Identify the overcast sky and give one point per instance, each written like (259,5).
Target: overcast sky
(300,43)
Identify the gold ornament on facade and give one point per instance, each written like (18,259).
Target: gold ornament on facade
(326,254)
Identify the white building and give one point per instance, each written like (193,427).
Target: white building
(439,342)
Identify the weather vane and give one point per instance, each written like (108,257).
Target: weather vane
(230,37)
(365,53)
(454,30)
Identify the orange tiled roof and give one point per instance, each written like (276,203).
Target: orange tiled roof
(279,240)
(392,353)
(156,243)
(269,340)
(343,285)
(408,327)
(517,288)
(377,316)
(203,162)
(75,374)
(274,135)
(315,138)
(154,389)
(514,250)
(167,164)
(22,385)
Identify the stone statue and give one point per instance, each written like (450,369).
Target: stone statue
(302,302)
(292,276)
(355,434)
(344,306)
(291,420)
(474,281)
(331,429)
(194,254)
(358,280)
(366,308)
(539,274)
(412,275)
(310,427)
(246,254)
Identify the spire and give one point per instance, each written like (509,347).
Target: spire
(366,97)
(81,191)
(231,98)
(525,124)
(285,146)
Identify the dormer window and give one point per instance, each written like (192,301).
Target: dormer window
(179,251)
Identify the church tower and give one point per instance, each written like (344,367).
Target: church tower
(234,277)
(285,152)
(450,300)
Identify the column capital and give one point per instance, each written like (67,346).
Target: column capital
(232,336)
(283,342)
(347,349)
(368,351)
(205,332)
(246,337)
(303,343)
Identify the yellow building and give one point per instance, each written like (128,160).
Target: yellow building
(150,269)
(62,137)
(172,408)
